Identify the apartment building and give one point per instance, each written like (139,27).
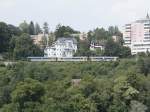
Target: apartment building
(136,35)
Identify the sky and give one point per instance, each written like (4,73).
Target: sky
(82,15)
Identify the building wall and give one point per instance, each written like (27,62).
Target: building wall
(137,36)
(59,49)
(137,32)
(127,35)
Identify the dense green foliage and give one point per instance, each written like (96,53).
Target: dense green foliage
(16,43)
(104,38)
(24,27)
(22,47)
(6,32)
(116,49)
(37,29)
(46,28)
(64,31)
(31,28)
(48,87)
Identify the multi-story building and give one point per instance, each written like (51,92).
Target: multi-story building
(137,35)
(63,47)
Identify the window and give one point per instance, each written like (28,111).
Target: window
(127,37)
(146,40)
(146,27)
(147,24)
(128,28)
(147,34)
(128,31)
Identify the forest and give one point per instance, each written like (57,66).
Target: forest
(121,86)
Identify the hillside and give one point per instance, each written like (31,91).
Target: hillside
(74,87)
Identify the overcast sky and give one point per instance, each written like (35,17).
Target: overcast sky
(82,15)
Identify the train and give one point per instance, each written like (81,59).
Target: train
(72,59)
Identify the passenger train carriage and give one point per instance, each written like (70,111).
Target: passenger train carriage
(70,59)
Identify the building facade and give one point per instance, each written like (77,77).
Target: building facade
(63,47)
(136,35)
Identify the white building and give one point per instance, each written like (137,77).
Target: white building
(137,35)
(97,45)
(63,47)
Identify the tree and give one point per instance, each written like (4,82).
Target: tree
(51,38)
(137,107)
(10,108)
(6,34)
(37,29)
(118,106)
(4,37)
(14,30)
(28,91)
(116,49)
(24,27)
(5,97)
(125,52)
(112,48)
(79,103)
(23,47)
(114,30)
(46,28)
(44,41)
(31,28)
(111,30)
(64,31)
(98,34)
(124,88)
(143,65)
(83,48)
